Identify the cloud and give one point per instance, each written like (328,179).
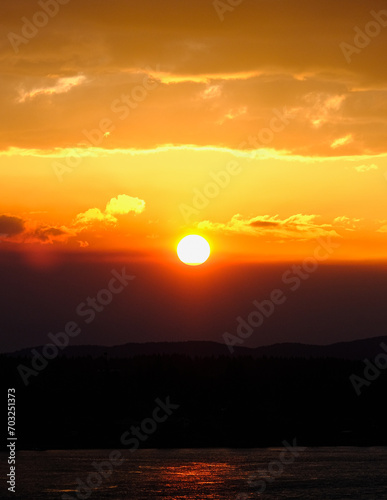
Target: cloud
(17,230)
(366,168)
(125,204)
(233,113)
(264,223)
(322,107)
(42,233)
(342,141)
(383,227)
(203,71)
(61,86)
(347,223)
(10,226)
(211,92)
(121,205)
(93,216)
(296,227)
(83,244)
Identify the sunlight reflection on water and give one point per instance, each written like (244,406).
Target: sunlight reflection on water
(217,474)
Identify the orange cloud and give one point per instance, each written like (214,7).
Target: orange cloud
(366,168)
(296,227)
(121,205)
(347,223)
(93,216)
(46,234)
(342,141)
(125,204)
(322,107)
(218,75)
(18,230)
(62,85)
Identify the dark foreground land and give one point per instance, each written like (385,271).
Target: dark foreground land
(224,401)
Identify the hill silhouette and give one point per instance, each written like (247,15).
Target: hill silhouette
(356,349)
(91,395)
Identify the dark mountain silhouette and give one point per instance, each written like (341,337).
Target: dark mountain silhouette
(90,396)
(353,350)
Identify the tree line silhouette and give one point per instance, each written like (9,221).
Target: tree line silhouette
(86,402)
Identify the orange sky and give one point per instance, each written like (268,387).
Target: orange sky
(262,127)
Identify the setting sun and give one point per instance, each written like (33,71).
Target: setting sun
(193,224)
(193,250)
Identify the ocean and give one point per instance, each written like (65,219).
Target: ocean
(200,474)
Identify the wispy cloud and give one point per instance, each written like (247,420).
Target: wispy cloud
(296,227)
(233,113)
(366,168)
(347,223)
(322,107)
(342,141)
(170,78)
(211,92)
(61,86)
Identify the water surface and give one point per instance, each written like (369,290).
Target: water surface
(217,474)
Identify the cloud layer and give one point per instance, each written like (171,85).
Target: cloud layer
(296,227)
(17,230)
(227,77)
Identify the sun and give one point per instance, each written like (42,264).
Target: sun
(193,250)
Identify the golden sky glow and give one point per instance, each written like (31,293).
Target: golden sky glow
(126,126)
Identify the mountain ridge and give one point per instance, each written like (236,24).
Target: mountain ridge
(351,350)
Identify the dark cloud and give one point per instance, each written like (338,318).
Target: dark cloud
(264,223)
(18,230)
(10,226)
(189,38)
(48,234)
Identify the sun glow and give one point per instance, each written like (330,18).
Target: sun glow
(193,250)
